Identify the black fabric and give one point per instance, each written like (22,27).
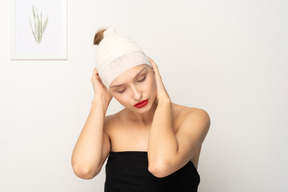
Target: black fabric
(127,171)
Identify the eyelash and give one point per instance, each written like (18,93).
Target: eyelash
(142,79)
(138,81)
(121,91)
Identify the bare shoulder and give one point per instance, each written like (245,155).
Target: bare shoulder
(111,121)
(191,114)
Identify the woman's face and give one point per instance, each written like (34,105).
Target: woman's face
(135,85)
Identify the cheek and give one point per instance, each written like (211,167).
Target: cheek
(122,99)
(151,85)
(154,83)
(152,80)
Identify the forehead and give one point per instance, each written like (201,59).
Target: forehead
(129,74)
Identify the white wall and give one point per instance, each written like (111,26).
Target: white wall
(227,57)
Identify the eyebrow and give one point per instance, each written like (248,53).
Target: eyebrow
(134,77)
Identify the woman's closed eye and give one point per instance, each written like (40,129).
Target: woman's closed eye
(142,79)
(121,91)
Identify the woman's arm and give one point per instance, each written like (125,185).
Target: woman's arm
(167,151)
(162,140)
(93,146)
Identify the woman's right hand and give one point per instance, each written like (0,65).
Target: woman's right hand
(100,91)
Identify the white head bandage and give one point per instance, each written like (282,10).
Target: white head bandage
(116,54)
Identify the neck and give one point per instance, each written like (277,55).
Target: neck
(143,119)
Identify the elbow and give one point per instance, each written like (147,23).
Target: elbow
(85,172)
(159,170)
(83,168)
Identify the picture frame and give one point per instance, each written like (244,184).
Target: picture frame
(38,30)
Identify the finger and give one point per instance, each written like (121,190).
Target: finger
(95,70)
(155,67)
(95,75)
(152,62)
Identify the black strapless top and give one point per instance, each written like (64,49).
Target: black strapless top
(127,171)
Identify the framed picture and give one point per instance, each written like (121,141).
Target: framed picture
(38,29)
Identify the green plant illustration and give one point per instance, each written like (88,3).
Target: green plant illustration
(39,26)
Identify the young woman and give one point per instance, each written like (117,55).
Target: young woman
(152,144)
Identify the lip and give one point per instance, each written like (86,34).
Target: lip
(141,104)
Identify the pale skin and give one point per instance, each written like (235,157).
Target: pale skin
(171,134)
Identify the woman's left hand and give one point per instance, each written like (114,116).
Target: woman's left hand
(162,94)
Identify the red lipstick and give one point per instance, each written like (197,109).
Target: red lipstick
(141,104)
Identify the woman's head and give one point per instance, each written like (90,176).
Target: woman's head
(124,69)
(116,54)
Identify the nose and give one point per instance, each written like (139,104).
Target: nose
(136,93)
